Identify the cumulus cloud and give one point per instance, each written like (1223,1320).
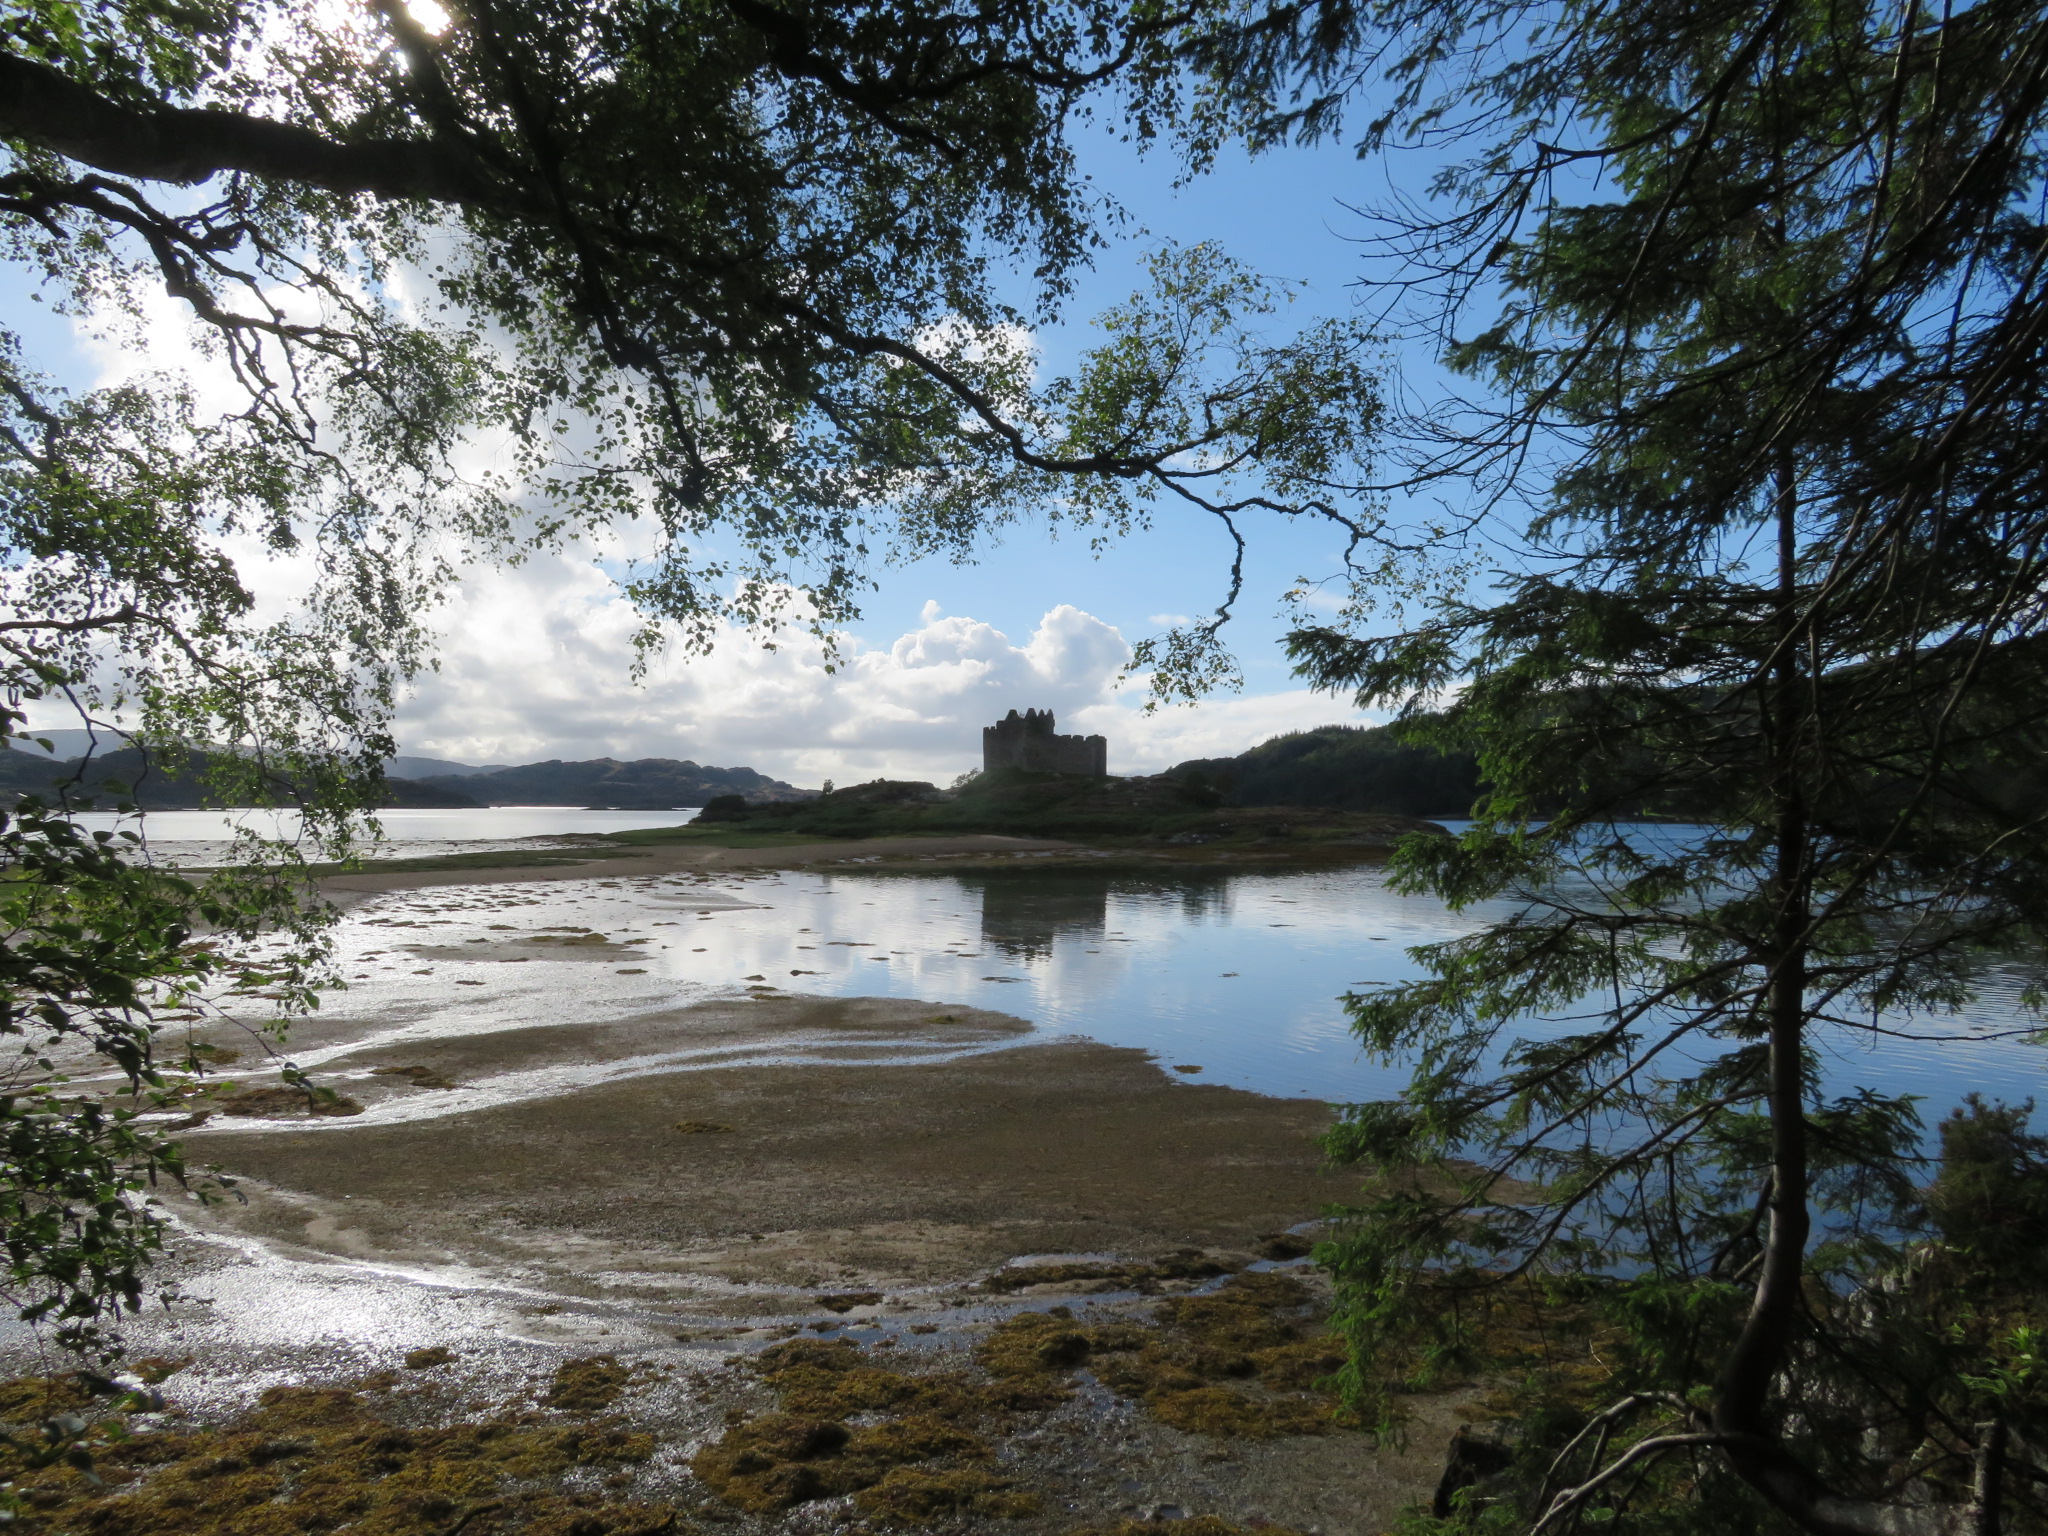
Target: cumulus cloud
(536,662)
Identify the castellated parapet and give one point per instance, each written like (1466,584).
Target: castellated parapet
(1027,741)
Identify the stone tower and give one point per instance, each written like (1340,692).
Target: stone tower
(1027,741)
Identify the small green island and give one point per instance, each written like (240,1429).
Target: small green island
(1159,810)
(1337,790)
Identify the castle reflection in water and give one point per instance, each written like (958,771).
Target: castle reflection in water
(1022,918)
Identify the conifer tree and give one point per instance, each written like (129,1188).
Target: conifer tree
(1756,295)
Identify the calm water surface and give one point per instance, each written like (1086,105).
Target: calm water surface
(1239,974)
(194,837)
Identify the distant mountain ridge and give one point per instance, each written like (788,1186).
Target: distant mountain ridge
(650,784)
(403,767)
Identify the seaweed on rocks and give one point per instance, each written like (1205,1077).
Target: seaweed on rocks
(589,1385)
(916,1496)
(316,1459)
(1243,1361)
(921,1461)
(1181,1264)
(1193,1525)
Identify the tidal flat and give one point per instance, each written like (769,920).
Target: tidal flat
(758,1249)
(956,1184)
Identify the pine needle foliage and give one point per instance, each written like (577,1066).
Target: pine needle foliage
(1755,294)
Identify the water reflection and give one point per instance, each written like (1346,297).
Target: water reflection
(1024,916)
(1241,975)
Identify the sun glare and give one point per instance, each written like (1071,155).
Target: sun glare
(433,19)
(342,18)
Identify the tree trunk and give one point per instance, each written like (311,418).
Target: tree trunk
(1742,1393)
(1756,1451)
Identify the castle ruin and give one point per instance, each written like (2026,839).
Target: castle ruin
(1027,741)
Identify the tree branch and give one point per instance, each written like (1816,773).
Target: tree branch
(42,107)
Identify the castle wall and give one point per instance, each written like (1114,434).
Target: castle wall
(1028,741)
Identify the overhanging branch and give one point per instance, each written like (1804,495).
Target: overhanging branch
(186,145)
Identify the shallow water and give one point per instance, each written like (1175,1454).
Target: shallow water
(1240,975)
(199,837)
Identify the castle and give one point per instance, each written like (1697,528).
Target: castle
(1027,741)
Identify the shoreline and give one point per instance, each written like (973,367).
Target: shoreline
(904,1210)
(479,1145)
(676,1188)
(590,861)
(970,851)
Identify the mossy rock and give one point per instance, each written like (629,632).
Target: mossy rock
(589,1385)
(318,1459)
(916,1496)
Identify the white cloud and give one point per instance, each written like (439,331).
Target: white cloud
(535,664)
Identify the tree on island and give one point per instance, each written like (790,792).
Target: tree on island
(1760,293)
(480,280)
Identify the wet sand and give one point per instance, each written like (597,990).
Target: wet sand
(521,1235)
(672,859)
(887,1173)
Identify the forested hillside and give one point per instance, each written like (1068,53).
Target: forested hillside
(1347,767)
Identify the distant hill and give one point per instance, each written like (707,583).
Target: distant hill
(1343,767)
(74,741)
(651,784)
(432,767)
(155,788)
(30,772)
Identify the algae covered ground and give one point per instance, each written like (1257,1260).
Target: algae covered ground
(1200,1412)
